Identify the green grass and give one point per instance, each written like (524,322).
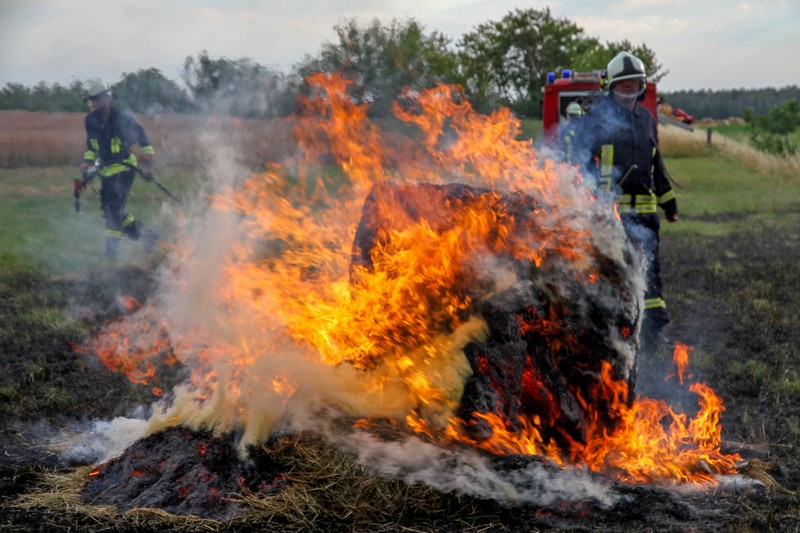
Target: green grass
(44,231)
(734,131)
(532,129)
(718,195)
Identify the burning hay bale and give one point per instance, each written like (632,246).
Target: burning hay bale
(548,333)
(559,309)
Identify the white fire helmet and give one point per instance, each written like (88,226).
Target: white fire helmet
(574,109)
(96,89)
(625,66)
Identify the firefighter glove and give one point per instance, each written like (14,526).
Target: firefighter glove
(146,168)
(88,171)
(147,172)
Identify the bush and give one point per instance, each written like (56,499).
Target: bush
(770,132)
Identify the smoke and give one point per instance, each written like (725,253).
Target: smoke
(465,472)
(600,123)
(101,440)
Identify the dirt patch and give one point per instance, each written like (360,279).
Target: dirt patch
(736,301)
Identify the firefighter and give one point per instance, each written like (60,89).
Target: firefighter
(622,143)
(110,134)
(568,130)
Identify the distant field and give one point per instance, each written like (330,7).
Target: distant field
(29,139)
(734,131)
(679,143)
(45,139)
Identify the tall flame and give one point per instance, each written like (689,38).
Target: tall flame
(278,312)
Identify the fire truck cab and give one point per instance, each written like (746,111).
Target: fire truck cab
(584,88)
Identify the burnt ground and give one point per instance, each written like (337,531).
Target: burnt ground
(735,299)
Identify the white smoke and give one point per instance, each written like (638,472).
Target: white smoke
(466,472)
(100,441)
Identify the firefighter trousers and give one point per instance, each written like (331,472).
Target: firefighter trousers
(643,230)
(113,198)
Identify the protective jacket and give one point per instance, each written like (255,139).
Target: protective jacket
(111,141)
(621,139)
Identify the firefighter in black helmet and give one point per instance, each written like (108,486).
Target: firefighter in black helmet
(622,143)
(110,134)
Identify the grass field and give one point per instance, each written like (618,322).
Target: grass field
(731,281)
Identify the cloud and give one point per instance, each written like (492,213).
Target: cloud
(60,40)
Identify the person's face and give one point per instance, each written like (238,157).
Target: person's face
(628,87)
(100,101)
(627,91)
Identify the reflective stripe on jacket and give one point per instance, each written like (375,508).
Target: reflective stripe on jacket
(111,141)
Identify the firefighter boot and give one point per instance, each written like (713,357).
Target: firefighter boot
(132,228)
(652,340)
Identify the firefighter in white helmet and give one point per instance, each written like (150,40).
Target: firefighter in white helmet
(574,109)
(110,134)
(621,141)
(568,130)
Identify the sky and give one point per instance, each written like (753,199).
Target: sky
(704,44)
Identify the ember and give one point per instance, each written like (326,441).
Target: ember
(179,471)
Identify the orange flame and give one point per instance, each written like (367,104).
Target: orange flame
(681,358)
(650,443)
(286,301)
(133,348)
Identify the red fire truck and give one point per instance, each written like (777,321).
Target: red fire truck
(583,87)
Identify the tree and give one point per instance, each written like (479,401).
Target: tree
(771,132)
(239,87)
(43,97)
(15,96)
(149,91)
(507,62)
(382,60)
(729,103)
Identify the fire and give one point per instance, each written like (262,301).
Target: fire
(286,309)
(681,358)
(137,360)
(650,443)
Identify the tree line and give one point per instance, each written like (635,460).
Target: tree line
(731,103)
(499,64)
